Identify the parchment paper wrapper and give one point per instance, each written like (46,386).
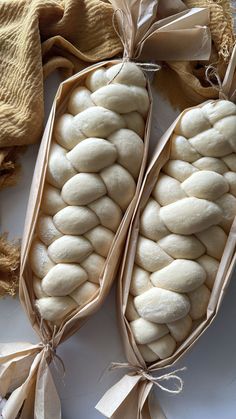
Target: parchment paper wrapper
(131,393)
(24,368)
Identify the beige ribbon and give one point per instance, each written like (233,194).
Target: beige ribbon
(223,87)
(145,374)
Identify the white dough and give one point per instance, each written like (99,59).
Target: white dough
(39,259)
(80,99)
(161,306)
(96,79)
(37,287)
(84,292)
(163,347)
(199,300)
(214,240)
(211,163)
(65,135)
(182,247)
(180,329)
(140,281)
(52,201)
(230,160)
(83,188)
(93,265)
(59,168)
(121,98)
(98,122)
(181,149)
(190,215)
(127,73)
(120,185)
(108,212)
(146,332)
(183,230)
(135,122)
(211,143)
(75,220)
(180,276)
(101,239)
(151,224)
(211,266)
(62,279)
(131,313)
(150,256)
(192,123)
(227,204)
(167,190)
(230,177)
(179,169)
(69,249)
(92,155)
(206,185)
(147,354)
(226,126)
(129,147)
(216,110)
(55,308)
(46,229)
(93,164)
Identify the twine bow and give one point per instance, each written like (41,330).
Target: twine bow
(130,394)
(156,380)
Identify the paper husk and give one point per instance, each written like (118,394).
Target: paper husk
(132,387)
(24,371)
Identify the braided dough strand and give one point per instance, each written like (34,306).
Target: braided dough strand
(93,166)
(183,230)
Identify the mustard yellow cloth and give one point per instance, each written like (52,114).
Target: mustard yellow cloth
(184,82)
(36,37)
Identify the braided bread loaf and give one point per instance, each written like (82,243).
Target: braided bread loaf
(183,230)
(93,166)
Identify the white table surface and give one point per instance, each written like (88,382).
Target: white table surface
(210,380)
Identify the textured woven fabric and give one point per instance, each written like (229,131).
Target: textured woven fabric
(36,37)
(9,266)
(184,83)
(221,24)
(65,33)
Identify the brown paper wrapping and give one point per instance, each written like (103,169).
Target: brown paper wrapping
(133,386)
(33,359)
(24,368)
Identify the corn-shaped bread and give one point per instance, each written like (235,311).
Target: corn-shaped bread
(93,167)
(183,230)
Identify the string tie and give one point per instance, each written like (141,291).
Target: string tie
(156,380)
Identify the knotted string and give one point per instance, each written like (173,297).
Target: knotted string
(127,49)
(211,73)
(224,88)
(145,374)
(122,37)
(49,347)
